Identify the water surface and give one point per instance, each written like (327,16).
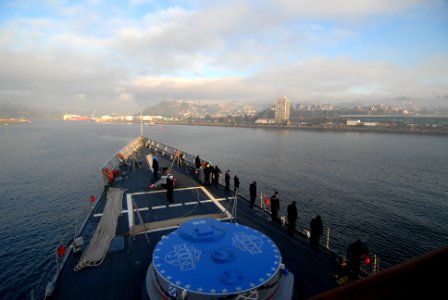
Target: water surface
(390,190)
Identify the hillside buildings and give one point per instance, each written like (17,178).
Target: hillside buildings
(282,109)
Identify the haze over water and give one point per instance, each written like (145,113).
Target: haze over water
(389,190)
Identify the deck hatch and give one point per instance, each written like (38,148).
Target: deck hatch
(237,259)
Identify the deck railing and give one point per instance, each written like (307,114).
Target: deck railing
(128,152)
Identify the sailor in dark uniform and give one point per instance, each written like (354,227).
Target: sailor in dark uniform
(355,252)
(317,230)
(227,179)
(216,175)
(275,207)
(155,167)
(236,183)
(170,188)
(292,217)
(207,170)
(197,162)
(253,193)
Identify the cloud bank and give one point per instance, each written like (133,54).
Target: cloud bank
(121,57)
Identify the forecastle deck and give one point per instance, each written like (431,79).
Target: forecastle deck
(122,273)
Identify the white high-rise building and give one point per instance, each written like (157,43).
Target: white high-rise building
(282,109)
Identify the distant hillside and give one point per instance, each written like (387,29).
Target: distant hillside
(167,108)
(185,109)
(12,110)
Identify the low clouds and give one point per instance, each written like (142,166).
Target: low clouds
(122,58)
(321,79)
(346,8)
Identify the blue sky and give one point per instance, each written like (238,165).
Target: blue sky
(125,55)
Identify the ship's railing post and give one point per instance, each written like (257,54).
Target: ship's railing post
(375,264)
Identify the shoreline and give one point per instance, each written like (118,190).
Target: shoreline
(440,131)
(10,121)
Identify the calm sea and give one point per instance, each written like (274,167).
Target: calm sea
(390,190)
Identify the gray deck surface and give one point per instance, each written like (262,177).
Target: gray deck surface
(122,273)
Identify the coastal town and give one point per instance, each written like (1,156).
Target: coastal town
(282,114)
(405,117)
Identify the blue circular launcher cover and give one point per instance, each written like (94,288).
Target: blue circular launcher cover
(210,257)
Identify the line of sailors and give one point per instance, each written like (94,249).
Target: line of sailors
(355,252)
(211,173)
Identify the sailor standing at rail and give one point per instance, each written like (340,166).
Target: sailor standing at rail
(355,253)
(155,167)
(169,188)
(317,230)
(236,183)
(275,207)
(181,159)
(207,170)
(253,193)
(212,173)
(227,178)
(197,162)
(216,176)
(292,217)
